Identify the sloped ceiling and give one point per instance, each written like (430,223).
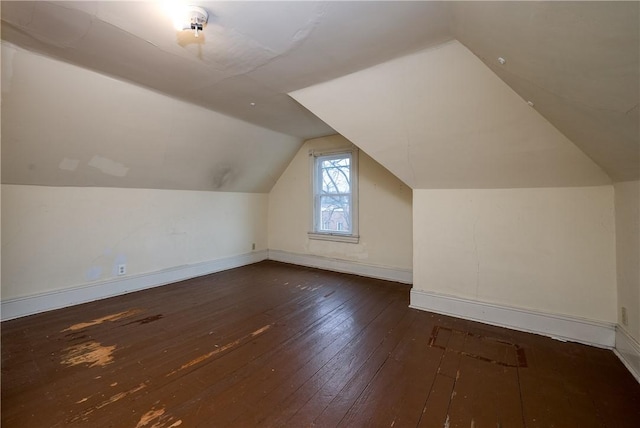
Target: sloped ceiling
(577,61)
(65,126)
(250,52)
(441,119)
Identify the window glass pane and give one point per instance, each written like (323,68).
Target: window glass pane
(334,202)
(335,175)
(335,212)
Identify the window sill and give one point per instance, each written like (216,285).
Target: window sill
(337,237)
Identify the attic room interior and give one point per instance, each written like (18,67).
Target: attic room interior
(320,213)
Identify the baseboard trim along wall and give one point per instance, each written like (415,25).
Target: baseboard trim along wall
(628,350)
(29,305)
(404,276)
(559,327)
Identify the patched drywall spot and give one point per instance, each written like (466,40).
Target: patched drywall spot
(108,166)
(91,353)
(223,175)
(112,317)
(184,38)
(7,68)
(94,273)
(67,164)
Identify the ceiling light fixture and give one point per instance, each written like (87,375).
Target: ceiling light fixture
(189,18)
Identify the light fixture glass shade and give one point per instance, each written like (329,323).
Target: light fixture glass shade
(186,17)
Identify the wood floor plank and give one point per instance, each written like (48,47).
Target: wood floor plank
(436,408)
(212,372)
(156,370)
(485,394)
(315,369)
(312,397)
(277,345)
(290,361)
(341,403)
(396,395)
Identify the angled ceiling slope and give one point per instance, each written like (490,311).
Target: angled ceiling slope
(577,61)
(441,119)
(250,52)
(65,126)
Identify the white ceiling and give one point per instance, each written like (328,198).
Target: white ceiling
(65,126)
(249,52)
(578,61)
(480,133)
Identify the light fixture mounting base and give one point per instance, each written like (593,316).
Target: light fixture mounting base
(191,18)
(197,16)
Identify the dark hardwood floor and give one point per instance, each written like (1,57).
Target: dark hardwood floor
(278,345)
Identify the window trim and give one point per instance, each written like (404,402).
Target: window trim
(352,237)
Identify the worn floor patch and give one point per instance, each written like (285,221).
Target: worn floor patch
(116,397)
(480,347)
(146,320)
(159,419)
(91,353)
(112,317)
(120,395)
(221,349)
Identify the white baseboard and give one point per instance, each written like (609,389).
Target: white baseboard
(404,276)
(628,350)
(29,305)
(559,327)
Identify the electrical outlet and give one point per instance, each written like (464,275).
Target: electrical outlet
(625,319)
(253,246)
(122,269)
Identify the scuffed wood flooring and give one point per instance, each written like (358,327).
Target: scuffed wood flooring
(272,344)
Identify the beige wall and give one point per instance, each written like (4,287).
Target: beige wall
(550,250)
(385,212)
(61,237)
(538,231)
(627,203)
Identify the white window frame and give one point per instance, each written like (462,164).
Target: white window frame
(352,236)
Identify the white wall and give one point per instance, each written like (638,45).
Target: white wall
(56,238)
(549,250)
(385,224)
(627,203)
